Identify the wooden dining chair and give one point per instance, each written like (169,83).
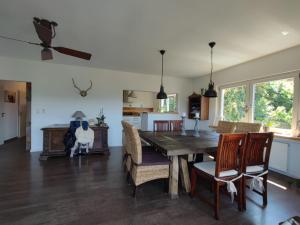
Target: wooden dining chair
(256,164)
(161,125)
(145,165)
(175,125)
(242,127)
(224,171)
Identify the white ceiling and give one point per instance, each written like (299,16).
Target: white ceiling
(127,34)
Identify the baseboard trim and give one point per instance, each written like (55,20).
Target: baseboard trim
(10,140)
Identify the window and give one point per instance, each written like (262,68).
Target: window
(271,101)
(169,104)
(234,103)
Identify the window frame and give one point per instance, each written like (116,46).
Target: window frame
(250,98)
(239,84)
(176,99)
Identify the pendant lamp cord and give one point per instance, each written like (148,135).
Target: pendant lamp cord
(162,68)
(211,63)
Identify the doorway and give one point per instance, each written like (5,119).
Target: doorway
(15,112)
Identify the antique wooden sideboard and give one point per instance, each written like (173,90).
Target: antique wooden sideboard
(53,140)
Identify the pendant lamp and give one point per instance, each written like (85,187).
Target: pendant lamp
(211,93)
(162,94)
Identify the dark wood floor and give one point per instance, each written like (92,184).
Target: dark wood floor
(92,190)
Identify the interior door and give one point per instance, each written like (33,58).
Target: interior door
(235,103)
(1,115)
(28,116)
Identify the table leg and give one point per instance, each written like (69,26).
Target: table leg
(184,174)
(173,180)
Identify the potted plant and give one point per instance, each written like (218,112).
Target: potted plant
(101,119)
(267,126)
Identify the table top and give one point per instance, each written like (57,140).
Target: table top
(173,143)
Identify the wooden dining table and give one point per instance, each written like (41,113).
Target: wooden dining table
(178,148)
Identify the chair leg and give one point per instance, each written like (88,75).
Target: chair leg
(212,188)
(244,192)
(265,192)
(128,177)
(217,200)
(193,182)
(166,185)
(240,195)
(125,156)
(134,191)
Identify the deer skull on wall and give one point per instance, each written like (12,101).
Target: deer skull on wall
(83,93)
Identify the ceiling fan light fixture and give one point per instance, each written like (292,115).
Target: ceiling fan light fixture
(162,94)
(211,92)
(46,54)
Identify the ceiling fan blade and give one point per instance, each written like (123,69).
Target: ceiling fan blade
(46,54)
(74,53)
(18,40)
(44,33)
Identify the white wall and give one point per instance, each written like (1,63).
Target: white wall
(277,63)
(54,99)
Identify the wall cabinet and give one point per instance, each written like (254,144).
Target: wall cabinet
(198,104)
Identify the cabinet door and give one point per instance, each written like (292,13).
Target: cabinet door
(57,141)
(100,140)
(54,140)
(204,115)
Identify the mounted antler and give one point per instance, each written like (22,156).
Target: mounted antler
(90,86)
(83,93)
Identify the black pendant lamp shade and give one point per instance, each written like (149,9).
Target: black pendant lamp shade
(211,92)
(162,94)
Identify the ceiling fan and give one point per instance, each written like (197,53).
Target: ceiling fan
(45,30)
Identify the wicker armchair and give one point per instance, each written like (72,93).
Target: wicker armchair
(145,165)
(127,147)
(247,127)
(225,127)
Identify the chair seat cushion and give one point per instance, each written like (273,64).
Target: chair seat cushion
(254,169)
(151,158)
(210,168)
